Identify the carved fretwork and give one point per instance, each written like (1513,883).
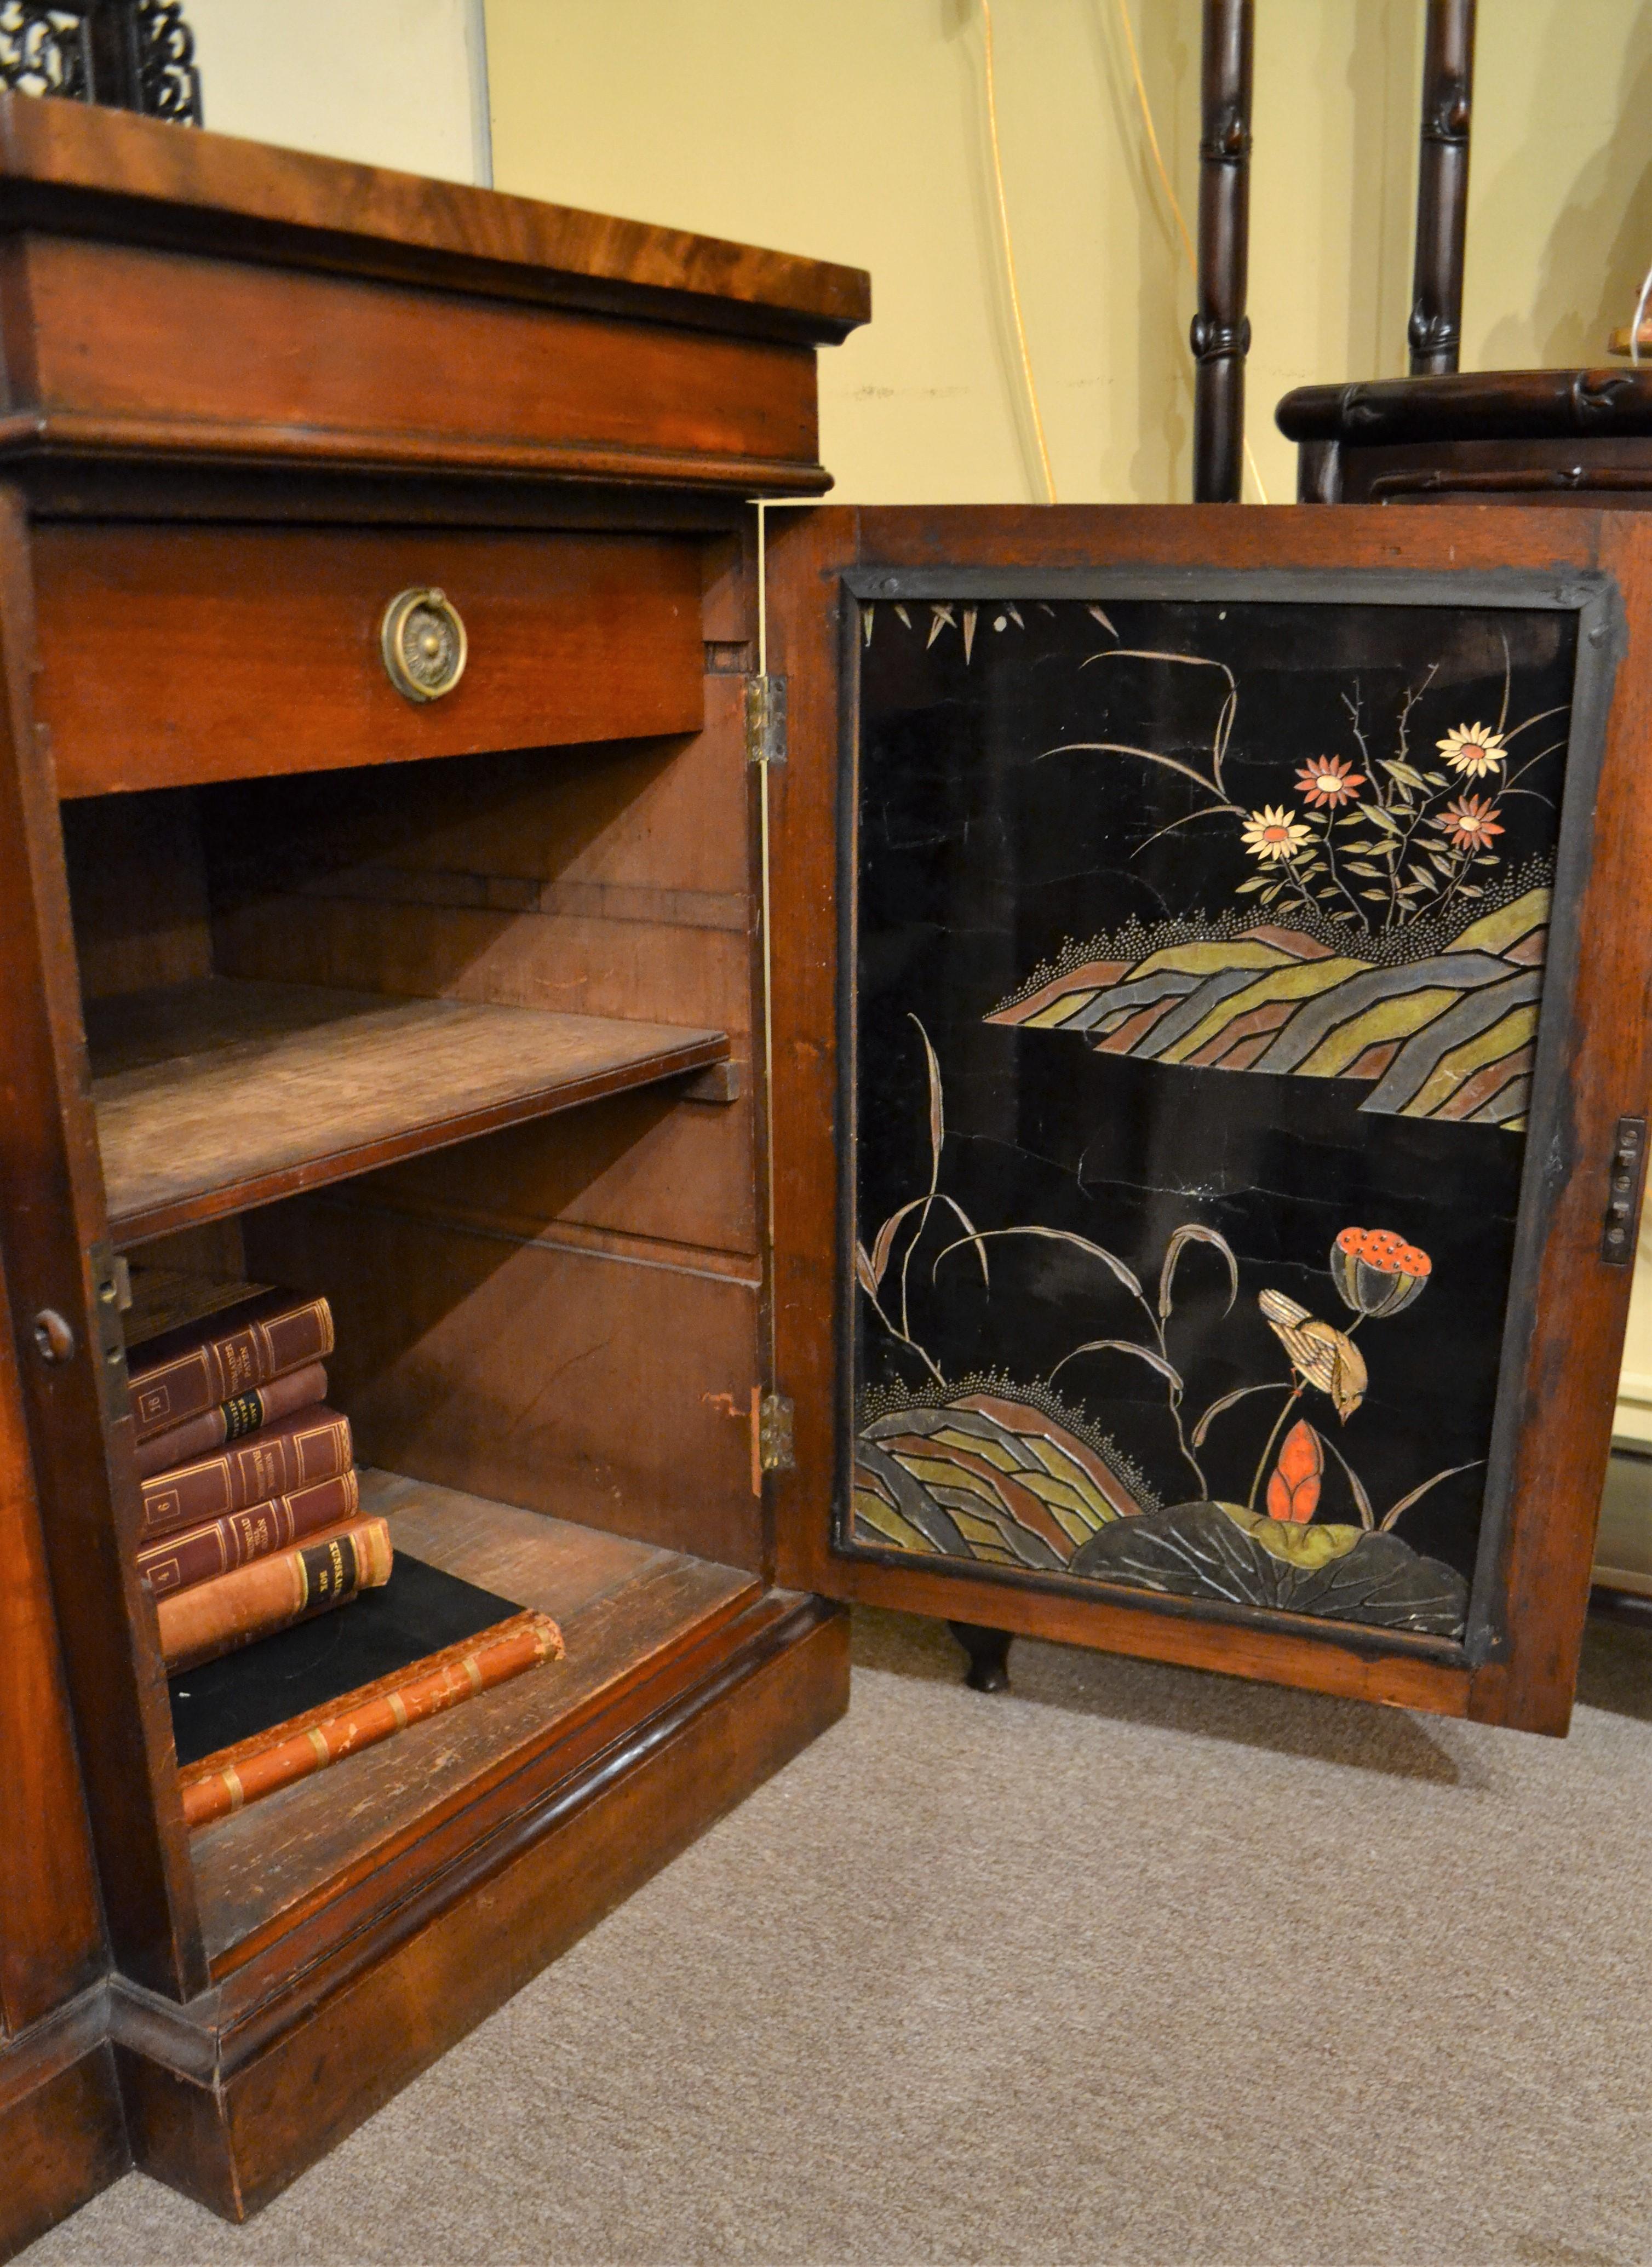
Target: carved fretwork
(127,54)
(168,84)
(44,50)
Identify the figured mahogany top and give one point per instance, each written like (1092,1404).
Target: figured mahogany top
(73,169)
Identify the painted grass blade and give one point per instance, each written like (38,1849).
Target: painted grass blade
(1124,1346)
(1151,653)
(972,1235)
(937,1113)
(1147,755)
(885,1239)
(1191,1232)
(1227,1401)
(1223,733)
(1367,1517)
(1131,1282)
(1406,1501)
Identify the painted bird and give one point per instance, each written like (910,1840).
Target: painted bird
(1319,1354)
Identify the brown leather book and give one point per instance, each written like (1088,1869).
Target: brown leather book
(215,1618)
(201,1554)
(311,1444)
(231,1421)
(185,1373)
(253,1768)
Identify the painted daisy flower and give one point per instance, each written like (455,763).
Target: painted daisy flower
(1328,778)
(1473,748)
(1470,822)
(1272,832)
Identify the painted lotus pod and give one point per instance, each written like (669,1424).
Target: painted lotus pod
(1376,1272)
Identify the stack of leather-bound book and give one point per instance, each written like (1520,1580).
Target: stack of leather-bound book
(252,1507)
(252,1523)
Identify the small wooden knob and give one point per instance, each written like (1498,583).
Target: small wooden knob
(423,642)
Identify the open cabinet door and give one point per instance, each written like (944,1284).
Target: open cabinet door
(1210,954)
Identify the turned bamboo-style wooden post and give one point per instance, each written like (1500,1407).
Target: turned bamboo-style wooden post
(1221,335)
(1436,330)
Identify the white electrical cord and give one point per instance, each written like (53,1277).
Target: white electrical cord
(1640,312)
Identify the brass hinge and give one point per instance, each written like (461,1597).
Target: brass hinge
(774,1450)
(766,720)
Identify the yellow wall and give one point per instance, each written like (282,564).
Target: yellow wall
(855,129)
(388,82)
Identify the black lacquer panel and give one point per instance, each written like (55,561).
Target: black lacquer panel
(1199,945)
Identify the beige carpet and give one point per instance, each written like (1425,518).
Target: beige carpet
(1134,1965)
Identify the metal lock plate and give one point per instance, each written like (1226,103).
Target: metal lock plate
(1626,1183)
(423,642)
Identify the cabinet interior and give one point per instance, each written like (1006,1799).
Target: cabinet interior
(548,1319)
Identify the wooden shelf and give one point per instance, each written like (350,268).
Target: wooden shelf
(625,1610)
(214,1095)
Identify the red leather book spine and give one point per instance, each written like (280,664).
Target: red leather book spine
(239,1775)
(312,1444)
(190,1383)
(232,1420)
(202,1553)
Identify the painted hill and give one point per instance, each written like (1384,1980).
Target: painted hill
(1450,1037)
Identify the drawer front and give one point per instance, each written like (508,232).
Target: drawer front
(171,655)
(331,366)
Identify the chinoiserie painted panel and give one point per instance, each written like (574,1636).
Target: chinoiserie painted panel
(1200,948)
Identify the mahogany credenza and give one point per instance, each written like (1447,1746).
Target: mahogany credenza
(689,844)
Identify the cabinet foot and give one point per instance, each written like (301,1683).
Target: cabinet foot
(988,1651)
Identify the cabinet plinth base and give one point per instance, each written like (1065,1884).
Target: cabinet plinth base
(229,2098)
(62,2137)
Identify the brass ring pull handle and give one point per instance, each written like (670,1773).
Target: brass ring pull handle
(423,643)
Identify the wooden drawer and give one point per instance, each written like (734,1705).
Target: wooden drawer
(174,654)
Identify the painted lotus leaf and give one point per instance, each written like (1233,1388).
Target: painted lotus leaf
(1218,1550)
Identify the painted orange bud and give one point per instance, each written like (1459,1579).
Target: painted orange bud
(1293,1490)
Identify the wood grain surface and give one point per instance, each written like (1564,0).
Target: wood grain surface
(1519,405)
(105,172)
(80,1434)
(62,2139)
(619,1603)
(1561,1372)
(609,1385)
(213,1096)
(231,2098)
(52,1943)
(173,655)
(343,371)
(1434,332)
